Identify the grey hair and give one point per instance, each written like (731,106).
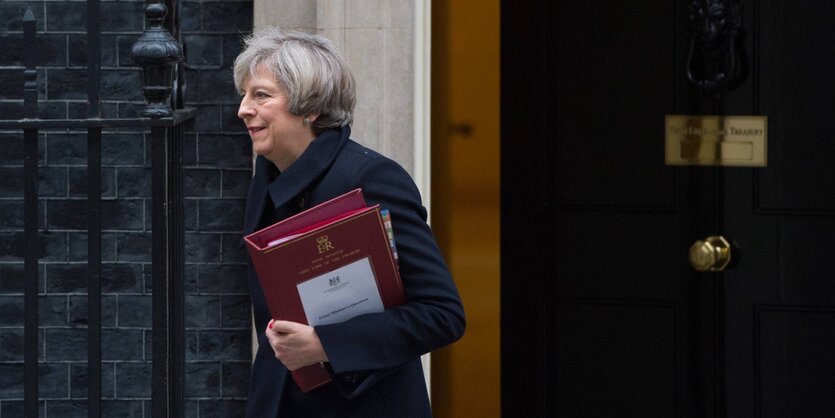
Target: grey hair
(316,77)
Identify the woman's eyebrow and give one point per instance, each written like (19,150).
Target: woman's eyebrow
(262,86)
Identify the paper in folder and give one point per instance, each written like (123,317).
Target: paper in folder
(325,265)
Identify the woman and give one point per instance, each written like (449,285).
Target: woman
(297,103)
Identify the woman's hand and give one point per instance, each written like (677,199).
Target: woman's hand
(295,345)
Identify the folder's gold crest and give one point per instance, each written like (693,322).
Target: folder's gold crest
(324,244)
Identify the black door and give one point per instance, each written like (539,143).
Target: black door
(602,314)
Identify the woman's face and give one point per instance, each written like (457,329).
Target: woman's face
(276,134)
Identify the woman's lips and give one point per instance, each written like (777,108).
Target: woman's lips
(254,129)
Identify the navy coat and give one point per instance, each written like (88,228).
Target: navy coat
(374,358)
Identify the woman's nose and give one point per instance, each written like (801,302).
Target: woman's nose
(245,109)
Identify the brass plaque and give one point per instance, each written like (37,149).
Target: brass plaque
(709,140)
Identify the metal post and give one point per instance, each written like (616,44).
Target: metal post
(176,260)
(156,51)
(94,369)
(94,272)
(168,374)
(30,223)
(159,372)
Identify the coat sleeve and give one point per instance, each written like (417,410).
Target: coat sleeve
(369,346)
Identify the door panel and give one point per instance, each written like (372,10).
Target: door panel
(794,366)
(628,376)
(602,315)
(600,240)
(780,299)
(794,47)
(612,207)
(605,80)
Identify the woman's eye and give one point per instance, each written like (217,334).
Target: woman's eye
(261,95)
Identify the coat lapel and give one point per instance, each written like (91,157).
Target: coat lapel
(257,194)
(314,162)
(310,166)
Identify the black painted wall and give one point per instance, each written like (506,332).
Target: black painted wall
(217,174)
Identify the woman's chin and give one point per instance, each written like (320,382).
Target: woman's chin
(262,151)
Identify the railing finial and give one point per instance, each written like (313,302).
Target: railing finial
(30,75)
(156,51)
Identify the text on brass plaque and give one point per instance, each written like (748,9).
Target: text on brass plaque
(716,140)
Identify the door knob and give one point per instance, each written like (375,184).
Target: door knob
(711,254)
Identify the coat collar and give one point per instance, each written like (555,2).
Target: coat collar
(309,167)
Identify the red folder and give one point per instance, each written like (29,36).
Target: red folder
(321,239)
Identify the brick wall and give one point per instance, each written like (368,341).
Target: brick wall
(217,159)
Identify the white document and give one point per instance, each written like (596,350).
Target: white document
(281,240)
(340,294)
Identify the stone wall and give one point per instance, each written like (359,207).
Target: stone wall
(217,159)
(377,39)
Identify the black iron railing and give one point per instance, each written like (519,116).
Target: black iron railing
(157,52)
